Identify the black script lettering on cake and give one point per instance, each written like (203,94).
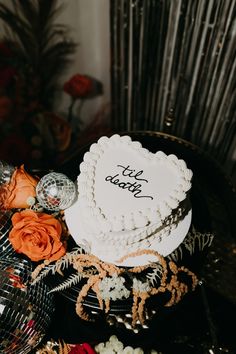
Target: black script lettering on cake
(133,187)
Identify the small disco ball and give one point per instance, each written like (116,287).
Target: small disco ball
(55,191)
(25,310)
(6,248)
(6,172)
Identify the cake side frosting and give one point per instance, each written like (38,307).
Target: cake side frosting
(117,244)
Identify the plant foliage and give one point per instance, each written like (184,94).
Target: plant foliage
(41,48)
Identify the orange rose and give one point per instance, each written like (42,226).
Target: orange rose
(16,193)
(79,86)
(37,235)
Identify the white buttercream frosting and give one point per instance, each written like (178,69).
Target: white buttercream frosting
(127,196)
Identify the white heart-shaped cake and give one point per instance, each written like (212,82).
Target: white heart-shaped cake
(124,186)
(126,194)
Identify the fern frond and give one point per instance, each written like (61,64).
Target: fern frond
(194,240)
(59,266)
(53,347)
(204,240)
(197,240)
(46,270)
(65,261)
(73,279)
(63,347)
(155,274)
(177,254)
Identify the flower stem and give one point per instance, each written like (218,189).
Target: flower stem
(70,110)
(81,103)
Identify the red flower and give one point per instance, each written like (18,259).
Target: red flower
(79,86)
(84,348)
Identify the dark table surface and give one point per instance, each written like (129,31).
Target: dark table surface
(203,321)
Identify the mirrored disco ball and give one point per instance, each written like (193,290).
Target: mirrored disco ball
(6,172)
(55,191)
(5,226)
(25,310)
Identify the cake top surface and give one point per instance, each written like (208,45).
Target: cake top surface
(123,186)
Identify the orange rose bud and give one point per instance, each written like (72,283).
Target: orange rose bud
(16,193)
(37,235)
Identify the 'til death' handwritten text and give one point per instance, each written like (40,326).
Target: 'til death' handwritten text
(135,184)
